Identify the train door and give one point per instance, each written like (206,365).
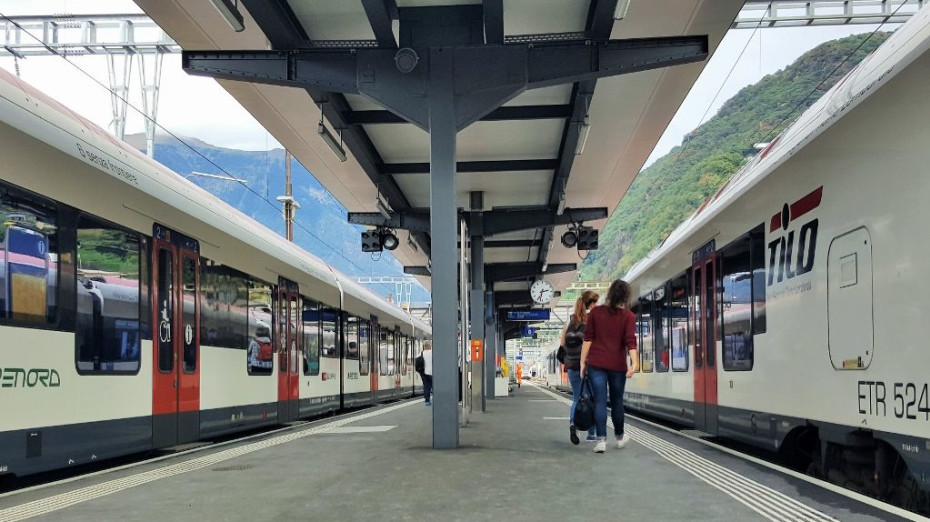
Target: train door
(704,319)
(290,330)
(176,323)
(374,353)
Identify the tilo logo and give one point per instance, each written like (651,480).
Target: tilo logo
(23,378)
(792,253)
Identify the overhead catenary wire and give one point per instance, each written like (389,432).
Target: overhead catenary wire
(272,204)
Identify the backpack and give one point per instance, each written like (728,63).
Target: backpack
(419,365)
(264,350)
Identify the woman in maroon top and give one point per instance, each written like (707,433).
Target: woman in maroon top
(609,336)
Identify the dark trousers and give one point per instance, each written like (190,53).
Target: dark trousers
(603,381)
(427,387)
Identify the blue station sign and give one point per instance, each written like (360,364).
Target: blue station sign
(528,314)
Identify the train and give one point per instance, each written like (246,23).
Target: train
(139,312)
(787,312)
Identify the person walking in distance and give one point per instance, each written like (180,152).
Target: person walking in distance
(572,339)
(427,373)
(610,334)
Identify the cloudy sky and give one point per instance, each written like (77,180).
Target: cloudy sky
(744,57)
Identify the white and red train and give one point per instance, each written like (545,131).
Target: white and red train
(138,311)
(788,311)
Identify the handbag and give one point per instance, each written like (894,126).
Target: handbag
(584,410)
(560,355)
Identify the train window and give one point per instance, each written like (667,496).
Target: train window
(330,335)
(189,312)
(311,320)
(385,349)
(260,353)
(678,323)
(646,346)
(106,334)
(28,259)
(224,307)
(757,261)
(164,272)
(661,320)
(736,305)
(352,347)
(364,345)
(405,353)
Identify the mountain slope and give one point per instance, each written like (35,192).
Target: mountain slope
(671,189)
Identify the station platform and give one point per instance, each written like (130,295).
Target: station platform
(515,464)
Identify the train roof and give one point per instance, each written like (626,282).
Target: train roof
(49,121)
(908,43)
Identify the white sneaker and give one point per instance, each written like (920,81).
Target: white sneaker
(621,443)
(600,447)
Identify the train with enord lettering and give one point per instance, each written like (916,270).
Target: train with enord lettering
(140,312)
(788,311)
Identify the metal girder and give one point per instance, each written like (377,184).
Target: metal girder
(418,271)
(413,221)
(513,243)
(500,221)
(562,63)
(507,70)
(494,21)
(513,112)
(512,298)
(599,25)
(474,166)
(381,14)
(284,31)
(498,272)
(278,22)
(601,18)
(795,13)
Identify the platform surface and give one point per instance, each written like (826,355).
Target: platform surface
(515,463)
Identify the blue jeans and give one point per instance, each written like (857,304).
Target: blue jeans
(601,380)
(427,387)
(574,378)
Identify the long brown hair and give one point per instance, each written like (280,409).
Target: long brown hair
(618,295)
(585,300)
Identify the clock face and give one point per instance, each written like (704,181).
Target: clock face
(541,292)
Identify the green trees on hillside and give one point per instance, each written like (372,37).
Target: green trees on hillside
(671,189)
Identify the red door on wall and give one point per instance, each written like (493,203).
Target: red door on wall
(289,334)
(704,331)
(176,338)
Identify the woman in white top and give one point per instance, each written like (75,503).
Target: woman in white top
(427,372)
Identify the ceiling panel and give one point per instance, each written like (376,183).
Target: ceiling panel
(333,20)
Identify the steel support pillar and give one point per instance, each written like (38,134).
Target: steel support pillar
(443,231)
(477,303)
(490,347)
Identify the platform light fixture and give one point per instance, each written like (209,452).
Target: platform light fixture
(389,239)
(622,7)
(584,129)
(331,141)
(570,238)
(230,11)
(587,238)
(383,208)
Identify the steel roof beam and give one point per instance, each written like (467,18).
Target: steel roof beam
(284,31)
(501,221)
(493,21)
(412,221)
(513,243)
(381,14)
(508,113)
(490,222)
(600,25)
(500,272)
(352,70)
(474,166)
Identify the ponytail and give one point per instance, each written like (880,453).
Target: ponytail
(585,300)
